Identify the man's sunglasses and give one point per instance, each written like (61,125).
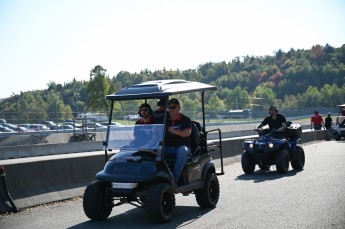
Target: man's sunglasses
(172,107)
(144,109)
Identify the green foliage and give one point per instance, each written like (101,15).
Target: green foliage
(291,80)
(97,89)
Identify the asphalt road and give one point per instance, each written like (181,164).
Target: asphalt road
(312,198)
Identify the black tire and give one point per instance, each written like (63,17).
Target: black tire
(248,164)
(299,163)
(97,203)
(207,196)
(160,202)
(264,167)
(282,161)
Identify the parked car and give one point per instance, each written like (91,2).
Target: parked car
(75,124)
(67,127)
(112,123)
(6,129)
(22,129)
(96,126)
(50,124)
(38,127)
(10,125)
(131,117)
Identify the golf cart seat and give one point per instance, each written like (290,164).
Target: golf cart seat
(195,139)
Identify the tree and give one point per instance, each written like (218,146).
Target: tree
(214,104)
(312,97)
(97,89)
(265,96)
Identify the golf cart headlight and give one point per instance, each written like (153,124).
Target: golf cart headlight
(251,145)
(270,145)
(124,185)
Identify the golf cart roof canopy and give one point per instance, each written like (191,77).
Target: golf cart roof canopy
(342,105)
(159,89)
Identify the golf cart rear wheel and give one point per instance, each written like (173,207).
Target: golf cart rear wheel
(298,164)
(282,161)
(160,202)
(97,203)
(247,162)
(207,196)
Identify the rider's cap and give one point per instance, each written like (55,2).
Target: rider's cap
(161,102)
(329,113)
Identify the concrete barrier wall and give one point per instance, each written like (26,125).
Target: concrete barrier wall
(53,148)
(37,180)
(11,152)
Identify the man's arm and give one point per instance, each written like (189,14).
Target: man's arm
(182,133)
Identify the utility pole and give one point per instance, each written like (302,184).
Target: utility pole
(56,112)
(16,96)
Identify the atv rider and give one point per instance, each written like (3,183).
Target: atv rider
(275,121)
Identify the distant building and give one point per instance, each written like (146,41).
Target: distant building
(238,114)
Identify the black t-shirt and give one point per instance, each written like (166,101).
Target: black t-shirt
(328,122)
(181,123)
(159,114)
(274,123)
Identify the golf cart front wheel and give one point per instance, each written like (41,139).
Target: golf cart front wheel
(97,202)
(160,202)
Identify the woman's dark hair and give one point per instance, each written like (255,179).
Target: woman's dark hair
(147,106)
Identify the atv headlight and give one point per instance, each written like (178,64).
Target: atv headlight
(251,145)
(270,145)
(124,185)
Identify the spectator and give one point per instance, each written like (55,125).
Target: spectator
(316,121)
(177,140)
(328,121)
(159,113)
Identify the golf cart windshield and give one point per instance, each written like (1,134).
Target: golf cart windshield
(135,137)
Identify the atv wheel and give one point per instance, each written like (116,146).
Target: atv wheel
(248,164)
(97,203)
(207,196)
(299,163)
(160,202)
(282,161)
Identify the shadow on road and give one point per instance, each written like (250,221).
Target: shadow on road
(262,176)
(138,218)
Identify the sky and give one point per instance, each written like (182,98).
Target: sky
(43,41)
